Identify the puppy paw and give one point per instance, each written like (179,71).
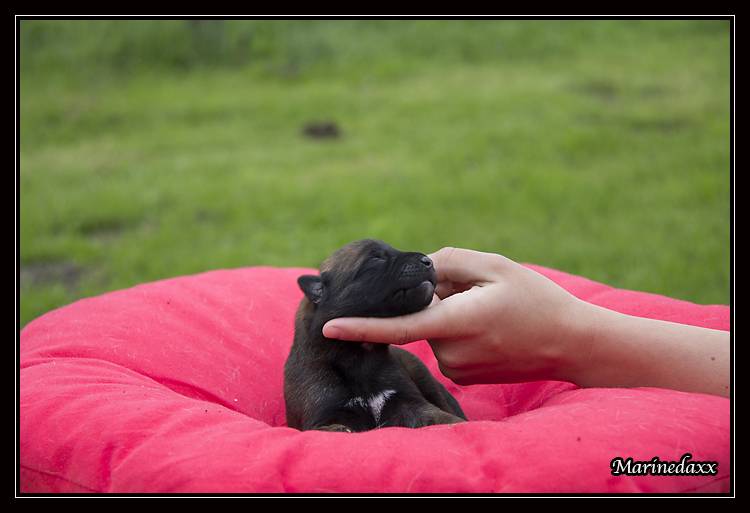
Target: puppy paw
(334,427)
(434,416)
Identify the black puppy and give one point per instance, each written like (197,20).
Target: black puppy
(348,386)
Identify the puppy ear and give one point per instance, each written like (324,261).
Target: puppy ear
(312,286)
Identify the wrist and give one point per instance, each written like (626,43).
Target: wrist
(605,350)
(579,342)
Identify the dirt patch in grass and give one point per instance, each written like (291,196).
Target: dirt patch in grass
(104,230)
(321,130)
(49,273)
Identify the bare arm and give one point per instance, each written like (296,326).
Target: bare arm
(495,321)
(624,351)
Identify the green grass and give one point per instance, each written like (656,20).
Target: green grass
(155,149)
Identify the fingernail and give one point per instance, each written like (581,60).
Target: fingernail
(332,332)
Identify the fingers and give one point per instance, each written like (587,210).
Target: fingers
(435,321)
(448,288)
(465,266)
(458,270)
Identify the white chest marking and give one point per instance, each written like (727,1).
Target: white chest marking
(375,403)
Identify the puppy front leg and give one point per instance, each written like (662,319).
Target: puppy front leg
(431,389)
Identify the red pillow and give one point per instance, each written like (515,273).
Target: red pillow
(176,386)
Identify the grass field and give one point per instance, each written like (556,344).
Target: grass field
(151,149)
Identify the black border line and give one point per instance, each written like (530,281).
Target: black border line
(20,17)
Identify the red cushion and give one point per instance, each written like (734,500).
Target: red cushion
(176,386)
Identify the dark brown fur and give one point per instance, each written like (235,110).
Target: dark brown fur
(329,383)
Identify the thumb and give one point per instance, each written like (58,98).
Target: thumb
(459,265)
(436,321)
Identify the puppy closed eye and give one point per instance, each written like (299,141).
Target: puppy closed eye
(370,265)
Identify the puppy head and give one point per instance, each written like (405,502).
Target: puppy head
(369,278)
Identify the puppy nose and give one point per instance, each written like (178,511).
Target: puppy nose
(426,261)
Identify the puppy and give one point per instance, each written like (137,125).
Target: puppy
(334,385)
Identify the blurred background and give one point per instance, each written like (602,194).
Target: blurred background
(151,149)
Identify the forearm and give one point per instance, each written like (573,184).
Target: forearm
(618,350)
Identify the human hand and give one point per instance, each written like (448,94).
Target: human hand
(492,320)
